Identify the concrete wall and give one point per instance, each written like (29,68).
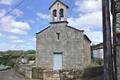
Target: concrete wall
(71,44)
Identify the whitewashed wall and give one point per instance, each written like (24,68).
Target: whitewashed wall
(98,53)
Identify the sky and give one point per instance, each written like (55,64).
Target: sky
(19,27)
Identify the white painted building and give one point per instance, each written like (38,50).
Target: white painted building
(97,51)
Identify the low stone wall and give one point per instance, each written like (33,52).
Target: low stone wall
(78,74)
(42,74)
(37,73)
(71,74)
(51,75)
(25,70)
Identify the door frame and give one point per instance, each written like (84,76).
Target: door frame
(61,59)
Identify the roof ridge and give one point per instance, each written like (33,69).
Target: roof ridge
(60,2)
(75,28)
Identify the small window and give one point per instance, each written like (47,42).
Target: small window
(58,36)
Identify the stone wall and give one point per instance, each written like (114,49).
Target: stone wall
(87,53)
(118,47)
(68,74)
(51,75)
(37,73)
(41,74)
(71,74)
(24,70)
(71,45)
(116,17)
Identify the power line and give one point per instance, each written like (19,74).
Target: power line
(12,9)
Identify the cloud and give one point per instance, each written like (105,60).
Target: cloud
(2,13)
(95,36)
(6,2)
(25,46)
(18,41)
(89,19)
(13,37)
(86,6)
(43,16)
(14,28)
(11,25)
(33,39)
(0,34)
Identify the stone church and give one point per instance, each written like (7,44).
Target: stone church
(60,46)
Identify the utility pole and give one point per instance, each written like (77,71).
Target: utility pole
(107,42)
(114,38)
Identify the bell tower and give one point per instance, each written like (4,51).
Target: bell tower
(58,11)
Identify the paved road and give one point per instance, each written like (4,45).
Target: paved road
(9,75)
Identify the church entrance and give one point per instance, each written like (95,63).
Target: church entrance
(57,61)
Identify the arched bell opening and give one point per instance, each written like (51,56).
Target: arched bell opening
(54,15)
(61,13)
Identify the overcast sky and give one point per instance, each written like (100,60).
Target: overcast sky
(18,29)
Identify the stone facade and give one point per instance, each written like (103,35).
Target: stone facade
(118,47)
(73,44)
(116,17)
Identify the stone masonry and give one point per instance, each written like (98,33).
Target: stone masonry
(71,43)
